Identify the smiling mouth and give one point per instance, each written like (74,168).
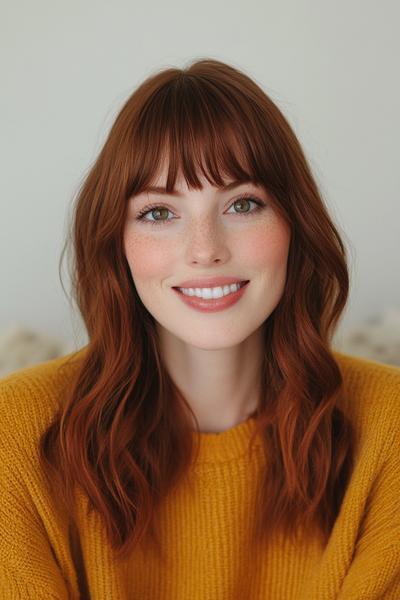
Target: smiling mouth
(241,284)
(195,296)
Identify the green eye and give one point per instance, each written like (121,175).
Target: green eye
(243,201)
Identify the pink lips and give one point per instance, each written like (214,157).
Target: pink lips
(213,304)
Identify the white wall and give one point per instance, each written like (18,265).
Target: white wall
(68,66)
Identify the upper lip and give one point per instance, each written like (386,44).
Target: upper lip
(210,282)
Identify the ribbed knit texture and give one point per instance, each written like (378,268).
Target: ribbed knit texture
(204,529)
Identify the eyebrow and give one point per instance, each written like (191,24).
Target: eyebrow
(162,190)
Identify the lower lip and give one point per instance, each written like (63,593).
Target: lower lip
(215,304)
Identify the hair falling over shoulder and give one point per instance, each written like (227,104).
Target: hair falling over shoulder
(124,432)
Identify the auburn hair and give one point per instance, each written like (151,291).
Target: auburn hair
(123,431)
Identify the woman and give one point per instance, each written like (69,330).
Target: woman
(207,442)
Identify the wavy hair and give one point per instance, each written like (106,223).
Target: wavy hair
(123,431)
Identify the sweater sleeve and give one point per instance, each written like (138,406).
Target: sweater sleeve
(28,568)
(374,572)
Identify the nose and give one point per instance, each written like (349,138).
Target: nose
(207,243)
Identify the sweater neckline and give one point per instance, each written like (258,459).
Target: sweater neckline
(225,445)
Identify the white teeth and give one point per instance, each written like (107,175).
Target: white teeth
(209,293)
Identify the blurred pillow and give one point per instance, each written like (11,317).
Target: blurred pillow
(21,347)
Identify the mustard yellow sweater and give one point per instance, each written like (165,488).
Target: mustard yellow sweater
(204,535)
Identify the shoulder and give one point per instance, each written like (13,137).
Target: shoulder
(370,396)
(29,397)
(357,368)
(366,378)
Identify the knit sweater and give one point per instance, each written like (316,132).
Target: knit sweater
(204,534)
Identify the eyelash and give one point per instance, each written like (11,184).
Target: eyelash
(259,206)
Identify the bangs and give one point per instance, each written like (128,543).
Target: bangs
(190,127)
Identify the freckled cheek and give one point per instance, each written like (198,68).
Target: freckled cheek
(148,259)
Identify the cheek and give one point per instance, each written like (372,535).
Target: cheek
(266,246)
(146,258)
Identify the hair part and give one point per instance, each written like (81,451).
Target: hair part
(123,433)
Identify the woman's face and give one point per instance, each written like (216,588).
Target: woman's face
(205,233)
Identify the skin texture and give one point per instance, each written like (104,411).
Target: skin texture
(214,358)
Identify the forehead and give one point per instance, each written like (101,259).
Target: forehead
(159,182)
(209,171)
(181,190)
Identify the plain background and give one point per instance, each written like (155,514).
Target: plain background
(67,68)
